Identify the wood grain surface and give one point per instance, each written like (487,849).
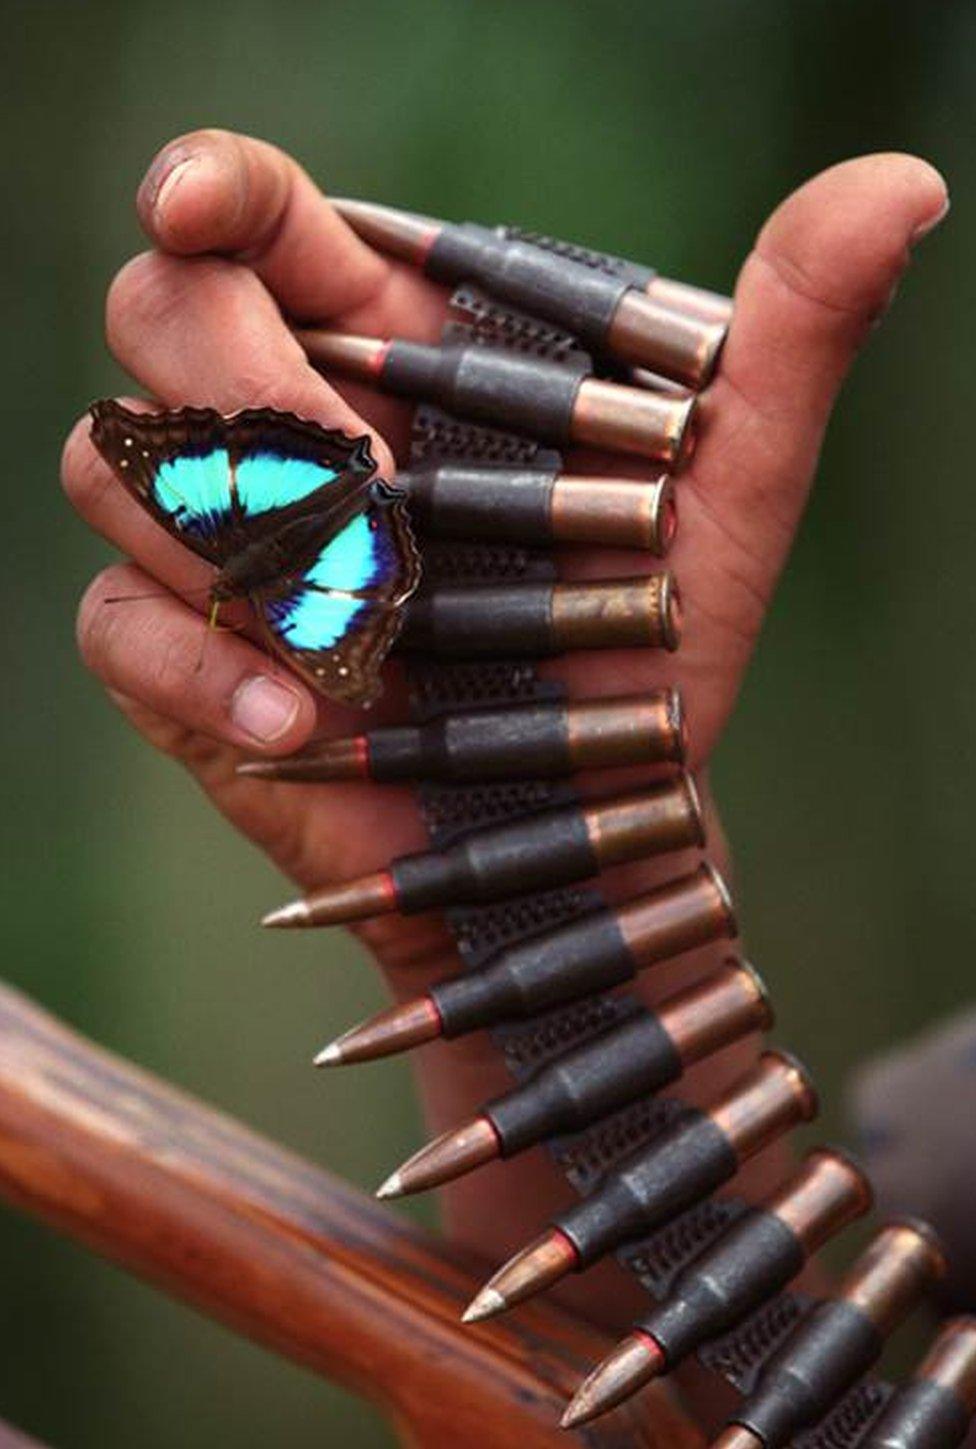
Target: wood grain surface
(286,1254)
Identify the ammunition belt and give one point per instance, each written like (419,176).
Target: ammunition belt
(451,811)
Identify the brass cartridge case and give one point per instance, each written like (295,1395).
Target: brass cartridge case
(683,346)
(641,612)
(776,1094)
(903,1260)
(716,1010)
(602,732)
(829,1192)
(619,512)
(633,420)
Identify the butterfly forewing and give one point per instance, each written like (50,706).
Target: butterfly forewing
(222,485)
(215,482)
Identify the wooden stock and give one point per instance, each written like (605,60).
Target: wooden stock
(285,1253)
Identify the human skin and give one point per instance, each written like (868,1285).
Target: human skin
(242,239)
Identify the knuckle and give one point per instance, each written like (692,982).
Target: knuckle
(150,657)
(173,667)
(135,295)
(148,292)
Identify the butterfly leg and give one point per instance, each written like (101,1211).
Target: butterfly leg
(214,627)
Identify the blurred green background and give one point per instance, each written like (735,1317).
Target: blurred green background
(848,779)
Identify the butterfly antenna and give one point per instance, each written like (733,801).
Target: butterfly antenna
(156,594)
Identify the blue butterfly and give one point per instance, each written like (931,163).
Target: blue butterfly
(293,519)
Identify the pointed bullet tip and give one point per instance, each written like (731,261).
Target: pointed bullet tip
(330,1056)
(258,769)
(296,913)
(392,1187)
(485,1305)
(574,1415)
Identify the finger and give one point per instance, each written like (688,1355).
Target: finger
(822,271)
(314,833)
(159,652)
(215,191)
(207,331)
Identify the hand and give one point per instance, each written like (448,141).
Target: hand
(241,237)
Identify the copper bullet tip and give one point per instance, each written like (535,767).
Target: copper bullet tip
(259,769)
(345,759)
(295,914)
(403,234)
(484,1305)
(355,900)
(393,1030)
(445,1158)
(392,1187)
(530,1270)
(358,357)
(633,1363)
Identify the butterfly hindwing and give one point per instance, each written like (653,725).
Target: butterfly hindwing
(336,641)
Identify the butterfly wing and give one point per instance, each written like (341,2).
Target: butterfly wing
(216,483)
(335,623)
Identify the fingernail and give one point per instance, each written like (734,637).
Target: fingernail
(162,179)
(263,708)
(923,229)
(167,189)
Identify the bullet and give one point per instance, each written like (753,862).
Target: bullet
(935,1409)
(532,741)
(667,326)
(748,1264)
(838,1340)
(683,296)
(536,852)
(682,1165)
(552,401)
(580,958)
(513,620)
(634,1362)
(633,1059)
(535,506)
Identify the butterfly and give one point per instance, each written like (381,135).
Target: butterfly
(293,519)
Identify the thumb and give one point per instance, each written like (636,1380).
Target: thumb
(823,269)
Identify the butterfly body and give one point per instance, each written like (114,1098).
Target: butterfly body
(289,546)
(291,517)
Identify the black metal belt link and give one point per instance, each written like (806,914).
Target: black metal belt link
(451,811)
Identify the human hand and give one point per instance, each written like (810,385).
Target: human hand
(243,240)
